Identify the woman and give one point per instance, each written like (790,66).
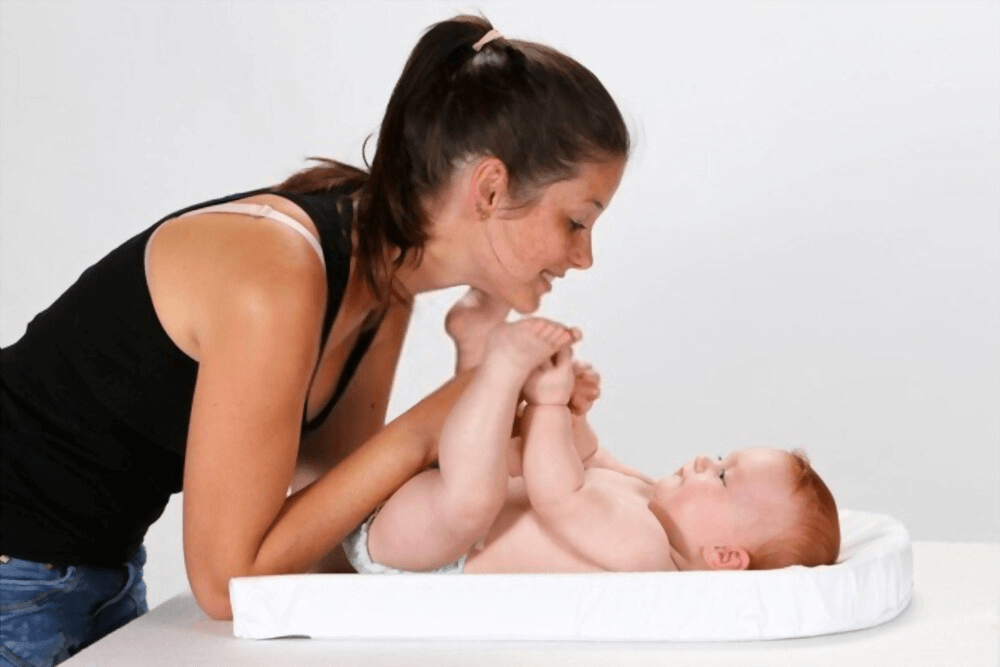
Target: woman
(245,342)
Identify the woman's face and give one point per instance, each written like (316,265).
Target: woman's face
(533,246)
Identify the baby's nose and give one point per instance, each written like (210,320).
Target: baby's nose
(701,464)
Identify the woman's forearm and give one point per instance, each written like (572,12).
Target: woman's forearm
(315,519)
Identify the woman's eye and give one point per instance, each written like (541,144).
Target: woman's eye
(576,226)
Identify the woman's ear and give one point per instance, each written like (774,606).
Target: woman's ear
(726,558)
(489,184)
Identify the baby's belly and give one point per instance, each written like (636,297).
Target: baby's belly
(518,542)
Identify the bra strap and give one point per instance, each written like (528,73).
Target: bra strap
(263,211)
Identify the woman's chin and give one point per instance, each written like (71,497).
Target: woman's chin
(520,301)
(525,305)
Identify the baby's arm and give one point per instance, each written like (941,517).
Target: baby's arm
(595,456)
(602,523)
(438,515)
(586,390)
(557,466)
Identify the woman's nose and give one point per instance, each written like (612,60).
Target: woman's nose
(582,254)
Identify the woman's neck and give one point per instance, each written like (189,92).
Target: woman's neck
(447,259)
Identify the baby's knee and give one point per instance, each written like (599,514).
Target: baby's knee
(470,519)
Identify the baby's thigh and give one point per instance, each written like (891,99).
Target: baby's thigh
(423,526)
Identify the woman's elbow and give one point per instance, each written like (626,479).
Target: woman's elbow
(214,601)
(211,591)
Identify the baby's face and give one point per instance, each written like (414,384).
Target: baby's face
(735,501)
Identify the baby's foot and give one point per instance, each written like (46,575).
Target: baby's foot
(469,323)
(519,347)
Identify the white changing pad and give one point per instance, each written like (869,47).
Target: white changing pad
(871,583)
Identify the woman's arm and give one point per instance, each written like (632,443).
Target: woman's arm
(358,415)
(246,299)
(242,452)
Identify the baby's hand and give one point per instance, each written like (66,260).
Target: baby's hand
(552,382)
(586,390)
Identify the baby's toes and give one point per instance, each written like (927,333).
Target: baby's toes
(553,334)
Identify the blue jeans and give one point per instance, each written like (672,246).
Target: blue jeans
(49,613)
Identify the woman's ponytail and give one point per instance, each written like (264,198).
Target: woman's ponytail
(537,110)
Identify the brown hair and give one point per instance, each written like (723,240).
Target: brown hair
(537,110)
(814,537)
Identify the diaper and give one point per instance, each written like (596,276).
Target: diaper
(356,547)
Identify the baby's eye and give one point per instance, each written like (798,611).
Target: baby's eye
(722,476)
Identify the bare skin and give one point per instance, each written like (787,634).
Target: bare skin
(439,514)
(517,541)
(245,297)
(469,323)
(572,511)
(473,317)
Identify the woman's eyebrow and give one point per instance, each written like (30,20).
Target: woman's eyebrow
(599,205)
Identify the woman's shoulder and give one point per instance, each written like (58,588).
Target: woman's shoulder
(205,269)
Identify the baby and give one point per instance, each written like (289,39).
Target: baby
(552,500)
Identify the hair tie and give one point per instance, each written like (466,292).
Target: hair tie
(486,39)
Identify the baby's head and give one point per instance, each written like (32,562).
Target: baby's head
(755,509)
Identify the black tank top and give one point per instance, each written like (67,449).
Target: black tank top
(95,401)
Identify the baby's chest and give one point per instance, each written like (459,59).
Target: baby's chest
(614,484)
(519,542)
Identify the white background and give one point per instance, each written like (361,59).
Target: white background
(804,250)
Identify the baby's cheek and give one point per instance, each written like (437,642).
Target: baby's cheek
(686,507)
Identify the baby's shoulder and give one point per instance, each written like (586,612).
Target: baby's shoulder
(641,544)
(619,484)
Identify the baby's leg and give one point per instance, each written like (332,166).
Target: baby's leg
(469,322)
(438,515)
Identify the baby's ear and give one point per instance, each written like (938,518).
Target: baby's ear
(726,558)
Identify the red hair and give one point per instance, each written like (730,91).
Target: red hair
(814,536)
